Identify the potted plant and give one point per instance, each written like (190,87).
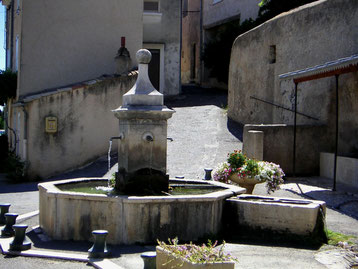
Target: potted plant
(248,172)
(188,256)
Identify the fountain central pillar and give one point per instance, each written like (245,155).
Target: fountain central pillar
(142,149)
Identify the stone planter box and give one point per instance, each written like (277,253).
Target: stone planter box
(166,260)
(284,215)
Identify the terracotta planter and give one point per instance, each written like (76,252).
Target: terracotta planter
(166,260)
(246,182)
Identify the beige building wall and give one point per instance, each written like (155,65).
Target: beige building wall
(63,42)
(191,42)
(310,35)
(85,123)
(217,12)
(162,30)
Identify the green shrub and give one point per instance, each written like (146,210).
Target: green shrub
(15,168)
(8,85)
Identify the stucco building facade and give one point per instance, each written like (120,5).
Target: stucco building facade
(63,51)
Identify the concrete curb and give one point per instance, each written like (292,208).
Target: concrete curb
(97,263)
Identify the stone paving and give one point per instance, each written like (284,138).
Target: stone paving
(202,137)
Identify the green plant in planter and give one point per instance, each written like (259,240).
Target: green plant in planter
(204,254)
(236,159)
(238,164)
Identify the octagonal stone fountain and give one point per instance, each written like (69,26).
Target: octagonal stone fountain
(141,211)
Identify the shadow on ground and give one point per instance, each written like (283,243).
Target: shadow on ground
(82,247)
(192,96)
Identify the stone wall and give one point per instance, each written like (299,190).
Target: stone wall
(85,124)
(313,34)
(277,146)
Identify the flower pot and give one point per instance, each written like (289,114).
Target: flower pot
(246,182)
(166,260)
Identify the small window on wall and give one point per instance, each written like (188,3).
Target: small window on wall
(217,1)
(151,6)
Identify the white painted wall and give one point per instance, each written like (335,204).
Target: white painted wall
(64,42)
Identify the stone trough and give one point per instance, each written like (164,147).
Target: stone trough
(66,215)
(285,215)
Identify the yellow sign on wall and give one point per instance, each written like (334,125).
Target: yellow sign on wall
(51,125)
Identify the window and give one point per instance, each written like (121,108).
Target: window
(272,54)
(151,6)
(216,1)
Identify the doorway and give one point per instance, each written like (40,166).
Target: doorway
(156,65)
(154,68)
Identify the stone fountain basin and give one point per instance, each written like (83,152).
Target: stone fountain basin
(66,215)
(295,216)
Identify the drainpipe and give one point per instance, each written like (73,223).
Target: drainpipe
(12,35)
(180,42)
(201,44)
(24,143)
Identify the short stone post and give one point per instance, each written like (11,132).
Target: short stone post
(149,259)
(8,231)
(254,145)
(21,241)
(99,248)
(4,208)
(207,173)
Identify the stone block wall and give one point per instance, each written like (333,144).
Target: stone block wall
(310,35)
(277,146)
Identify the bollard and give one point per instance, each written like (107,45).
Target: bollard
(207,173)
(8,231)
(149,259)
(4,208)
(21,241)
(99,248)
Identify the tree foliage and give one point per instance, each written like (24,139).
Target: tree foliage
(217,51)
(8,85)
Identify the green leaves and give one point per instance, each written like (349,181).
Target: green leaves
(8,85)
